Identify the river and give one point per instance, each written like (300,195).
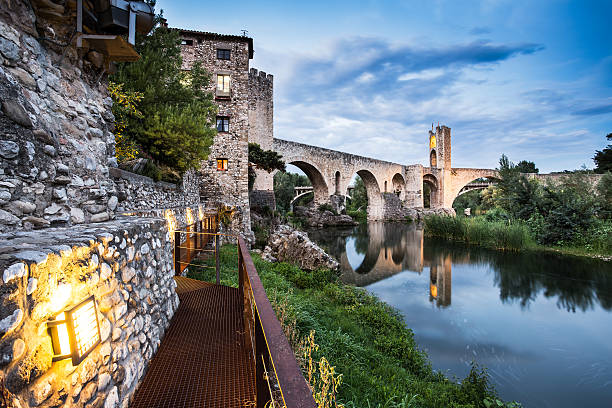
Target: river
(540,323)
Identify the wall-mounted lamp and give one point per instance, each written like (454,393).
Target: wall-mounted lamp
(75,332)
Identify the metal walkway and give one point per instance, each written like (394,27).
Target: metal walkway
(202,360)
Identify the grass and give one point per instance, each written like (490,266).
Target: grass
(504,235)
(364,338)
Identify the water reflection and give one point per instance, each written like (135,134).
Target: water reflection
(540,323)
(383,250)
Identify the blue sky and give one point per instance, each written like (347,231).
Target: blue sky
(532,79)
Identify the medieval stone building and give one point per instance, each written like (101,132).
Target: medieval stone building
(245,114)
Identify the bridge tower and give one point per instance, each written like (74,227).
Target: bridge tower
(440,148)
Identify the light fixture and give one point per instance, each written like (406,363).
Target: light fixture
(75,332)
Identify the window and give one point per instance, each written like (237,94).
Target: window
(186,42)
(222,124)
(223,54)
(221,164)
(223,85)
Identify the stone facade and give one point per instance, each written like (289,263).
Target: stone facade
(56,143)
(229,186)
(127,265)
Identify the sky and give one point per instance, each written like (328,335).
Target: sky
(529,79)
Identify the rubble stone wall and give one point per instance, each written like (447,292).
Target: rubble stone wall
(127,265)
(56,143)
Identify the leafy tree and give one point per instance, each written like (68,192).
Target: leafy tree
(604,189)
(603,158)
(267,160)
(525,166)
(176,127)
(125,105)
(359,199)
(517,194)
(284,183)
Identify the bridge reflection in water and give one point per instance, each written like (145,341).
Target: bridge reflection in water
(539,322)
(385,250)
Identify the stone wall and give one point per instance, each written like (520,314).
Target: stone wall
(229,187)
(136,192)
(127,265)
(55,140)
(261,124)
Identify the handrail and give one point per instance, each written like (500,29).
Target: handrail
(267,340)
(193,239)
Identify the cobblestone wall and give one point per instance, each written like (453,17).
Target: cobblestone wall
(136,192)
(127,265)
(55,139)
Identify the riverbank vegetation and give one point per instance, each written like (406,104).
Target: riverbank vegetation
(571,215)
(363,338)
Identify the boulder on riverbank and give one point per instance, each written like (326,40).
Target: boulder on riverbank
(289,245)
(317,218)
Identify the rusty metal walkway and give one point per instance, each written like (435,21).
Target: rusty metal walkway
(202,360)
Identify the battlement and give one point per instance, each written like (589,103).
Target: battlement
(261,77)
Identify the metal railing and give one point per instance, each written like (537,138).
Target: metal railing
(197,238)
(266,339)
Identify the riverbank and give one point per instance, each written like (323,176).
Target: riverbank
(364,338)
(514,236)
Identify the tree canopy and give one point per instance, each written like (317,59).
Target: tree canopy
(603,158)
(176,126)
(267,160)
(525,166)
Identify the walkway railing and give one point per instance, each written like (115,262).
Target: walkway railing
(265,336)
(196,238)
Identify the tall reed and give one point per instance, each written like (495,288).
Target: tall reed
(506,235)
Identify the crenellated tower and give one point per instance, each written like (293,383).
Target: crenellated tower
(440,148)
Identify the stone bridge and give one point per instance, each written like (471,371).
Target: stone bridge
(392,188)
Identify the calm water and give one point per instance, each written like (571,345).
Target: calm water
(541,324)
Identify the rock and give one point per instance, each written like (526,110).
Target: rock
(8,149)
(60,194)
(24,77)
(287,244)
(77,216)
(144,249)
(88,392)
(112,203)
(317,218)
(32,285)
(9,49)
(16,113)
(37,222)
(5,196)
(7,218)
(9,33)
(17,270)
(63,180)
(11,321)
(112,400)
(101,217)
(52,209)
(41,391)
(62,168)
(127,274)
(24,207)
(50,150)
(105,271)
(103,381)
(18,349)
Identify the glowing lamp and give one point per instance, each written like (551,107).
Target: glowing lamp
(75,332)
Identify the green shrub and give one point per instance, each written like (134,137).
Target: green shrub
(327,207)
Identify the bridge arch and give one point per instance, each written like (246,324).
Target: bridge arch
(319,184)
(375,199)
(399,185)
(337,183)
(434,188)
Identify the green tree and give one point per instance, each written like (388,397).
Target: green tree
(525,166)
(267,160)
(603,158)
(359,198)
(517,193)
(176,128)
(604,190)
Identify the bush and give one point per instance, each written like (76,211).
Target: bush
(327,207)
